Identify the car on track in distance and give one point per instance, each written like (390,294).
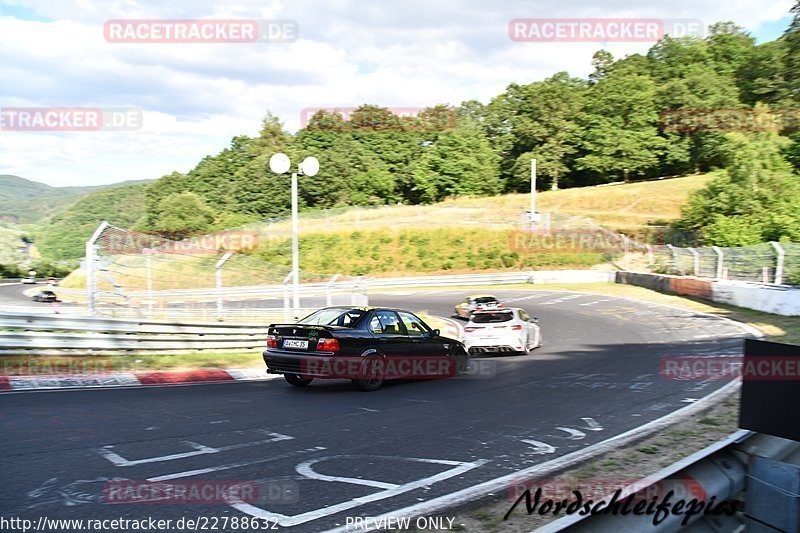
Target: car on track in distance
(477,302)
(509,330)
(28,281)
(45,296)
(364,344)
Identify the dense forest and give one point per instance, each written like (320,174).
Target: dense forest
(720,103)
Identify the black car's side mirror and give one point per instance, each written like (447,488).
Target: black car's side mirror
(434,333)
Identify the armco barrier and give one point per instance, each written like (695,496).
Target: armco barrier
(34,334)
(653,282)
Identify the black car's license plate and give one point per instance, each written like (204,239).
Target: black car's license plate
(292,343)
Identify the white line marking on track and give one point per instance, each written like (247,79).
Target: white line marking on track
(562,299)
(287,521)
(305,469)
(574,434)
(191,473)
(592,424)
(539,448)
(118,460)
(200,449)
(594,302)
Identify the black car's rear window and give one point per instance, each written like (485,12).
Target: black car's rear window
(486,300)
(487,318)
(337,316)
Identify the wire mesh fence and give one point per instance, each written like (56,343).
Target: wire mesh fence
(772,263)
(175,275)
(216,276)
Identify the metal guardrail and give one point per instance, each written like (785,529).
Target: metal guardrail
(32,333)
(720,471)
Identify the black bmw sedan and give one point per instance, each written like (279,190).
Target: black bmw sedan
(363,344)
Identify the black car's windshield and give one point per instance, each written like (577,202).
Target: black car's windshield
(335,316)
(486,300)
(486,318)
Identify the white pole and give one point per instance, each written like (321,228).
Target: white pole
(286,298)
(779,262)
(720,260)
(295,250)
(149,266)
(218,275)
(533,192)
(90,259)
(696,256)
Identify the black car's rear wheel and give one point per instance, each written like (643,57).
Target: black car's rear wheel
(371,374)
(297,380)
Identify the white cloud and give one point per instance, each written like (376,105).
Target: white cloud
(195,97)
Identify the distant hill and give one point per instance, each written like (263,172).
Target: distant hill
(66,233)
(23,201)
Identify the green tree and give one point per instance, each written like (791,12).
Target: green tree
(185,211)
(620,127)
(537,120)
(755,198)
(459,163)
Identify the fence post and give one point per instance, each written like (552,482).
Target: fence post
(329,290)
(674,258)
(720,260)
(696,265)
(286,302)
(218,275)
(779,262)
(650,258)
(90,259)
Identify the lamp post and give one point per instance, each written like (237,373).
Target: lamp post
(533,216)
(280,164)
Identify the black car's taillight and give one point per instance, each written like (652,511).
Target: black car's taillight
(272,341)
(327,345)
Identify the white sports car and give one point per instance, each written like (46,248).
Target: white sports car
(509,330)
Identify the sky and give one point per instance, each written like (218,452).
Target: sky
(184,101)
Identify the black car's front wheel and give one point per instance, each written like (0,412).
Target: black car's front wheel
(462,362)
(371,374)
(297,380)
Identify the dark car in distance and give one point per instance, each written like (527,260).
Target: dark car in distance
(364,344)
(45,296)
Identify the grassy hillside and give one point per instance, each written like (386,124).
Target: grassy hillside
(24,201)
(625,207)
(462,235)
(66,234)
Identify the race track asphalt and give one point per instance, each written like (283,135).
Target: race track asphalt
(327,452)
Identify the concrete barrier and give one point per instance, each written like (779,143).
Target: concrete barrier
(778,300)
(775,299)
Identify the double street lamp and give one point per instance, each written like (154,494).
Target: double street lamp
(280,164)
